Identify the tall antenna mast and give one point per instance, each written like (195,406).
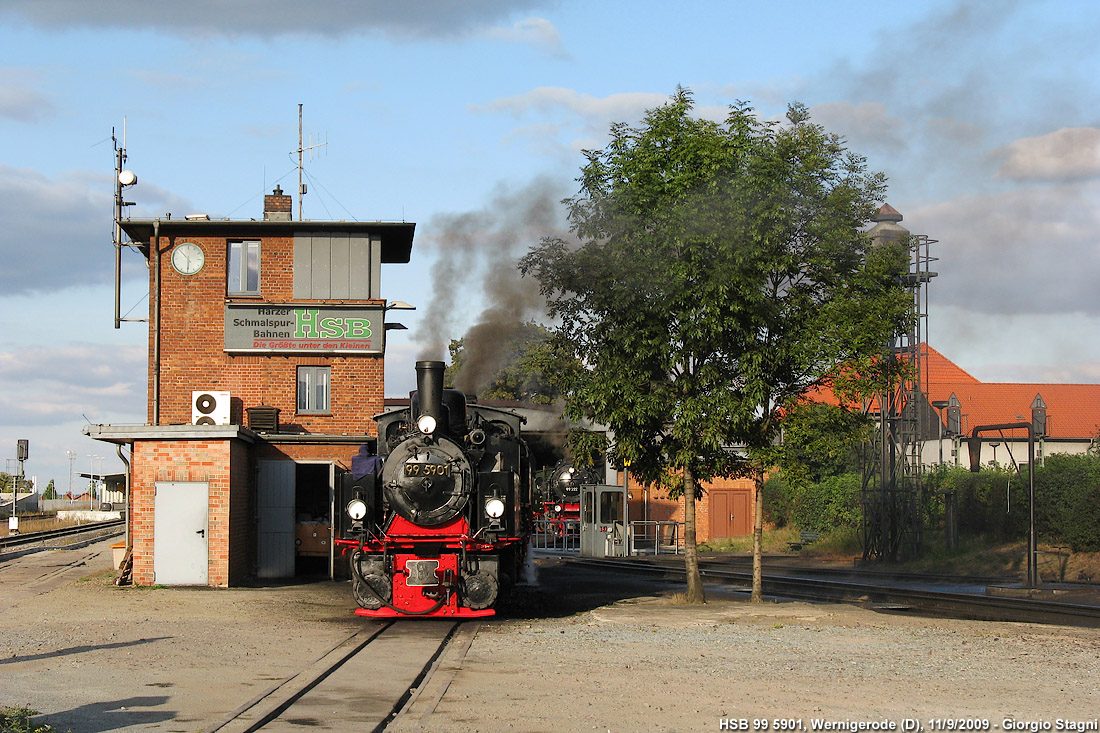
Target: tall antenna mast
(301,188)
(301,149)
(123,179)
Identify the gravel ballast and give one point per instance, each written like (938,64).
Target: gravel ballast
(575,652)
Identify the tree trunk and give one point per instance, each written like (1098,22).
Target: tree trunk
(758,536)
(691,554)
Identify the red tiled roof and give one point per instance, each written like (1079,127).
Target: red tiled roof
(938,369)
(1073,410)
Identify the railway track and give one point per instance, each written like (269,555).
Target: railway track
(79,534)
(344,691)
(878,594)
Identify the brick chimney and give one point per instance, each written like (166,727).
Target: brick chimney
(277,206)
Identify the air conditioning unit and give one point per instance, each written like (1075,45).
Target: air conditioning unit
(209,407)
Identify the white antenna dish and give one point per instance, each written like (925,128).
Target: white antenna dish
(127,178)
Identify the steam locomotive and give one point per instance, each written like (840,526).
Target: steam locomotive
(560,492)
(441,529)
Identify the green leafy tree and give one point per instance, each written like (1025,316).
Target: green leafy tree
(8,480)
(819,446)
(721,272)
(50,492)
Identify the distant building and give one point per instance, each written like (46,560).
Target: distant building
(1067,416)
(266,355)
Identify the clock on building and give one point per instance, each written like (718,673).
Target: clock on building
(188,258)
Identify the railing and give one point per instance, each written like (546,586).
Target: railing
(656,538)
(562,536)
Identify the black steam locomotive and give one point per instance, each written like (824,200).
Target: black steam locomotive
(441,528)
(560,491)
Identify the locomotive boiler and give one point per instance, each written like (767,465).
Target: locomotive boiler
(441,529)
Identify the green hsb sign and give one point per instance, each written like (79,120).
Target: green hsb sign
(310,324)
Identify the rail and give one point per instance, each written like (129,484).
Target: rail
(987,606)
(82,531)
(656,538)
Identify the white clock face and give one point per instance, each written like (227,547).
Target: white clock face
(188,258)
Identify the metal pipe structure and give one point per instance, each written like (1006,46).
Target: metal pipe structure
(154,251)
(126,496)
(974,445)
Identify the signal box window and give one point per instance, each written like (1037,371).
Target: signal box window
(313,389)
(244,268)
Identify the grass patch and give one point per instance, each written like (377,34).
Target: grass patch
(40,523)
(18,720)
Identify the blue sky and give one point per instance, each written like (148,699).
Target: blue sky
(469,119)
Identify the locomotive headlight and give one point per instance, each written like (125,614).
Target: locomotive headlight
(494,508)
(426,424)
(357,509)
(557,508)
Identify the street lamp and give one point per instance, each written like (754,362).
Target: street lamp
(92,476)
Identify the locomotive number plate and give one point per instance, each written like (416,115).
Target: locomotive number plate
(422,572)
(427,469)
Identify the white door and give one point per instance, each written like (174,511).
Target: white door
(275,502)
(181,552)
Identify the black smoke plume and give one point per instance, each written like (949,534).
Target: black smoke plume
(477,256)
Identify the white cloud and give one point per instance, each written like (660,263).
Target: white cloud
(1020,251)
(48,385)
(23,104)
(547,100)
(1023,347)
(538,32)
(1068,154)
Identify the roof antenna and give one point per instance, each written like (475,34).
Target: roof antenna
(301,149)
(123,179)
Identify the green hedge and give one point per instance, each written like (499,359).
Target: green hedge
(994,502)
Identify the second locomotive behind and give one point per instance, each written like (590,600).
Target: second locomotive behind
(442,528)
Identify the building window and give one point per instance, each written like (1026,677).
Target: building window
(313,389)
(244,268)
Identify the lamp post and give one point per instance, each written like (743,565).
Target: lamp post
(92,477)
(72,459)
(11,472)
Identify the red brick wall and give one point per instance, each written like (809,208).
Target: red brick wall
(192,317)
(181,460)
(659,507)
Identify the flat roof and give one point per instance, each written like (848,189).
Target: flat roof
(397,237)
(124,434)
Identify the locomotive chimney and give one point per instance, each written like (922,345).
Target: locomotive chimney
(429,387)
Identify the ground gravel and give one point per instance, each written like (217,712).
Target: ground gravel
(577,652)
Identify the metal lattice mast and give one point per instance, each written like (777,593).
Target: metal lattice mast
(892,491)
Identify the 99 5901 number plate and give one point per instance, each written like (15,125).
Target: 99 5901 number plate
(422,572)
(415,470)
